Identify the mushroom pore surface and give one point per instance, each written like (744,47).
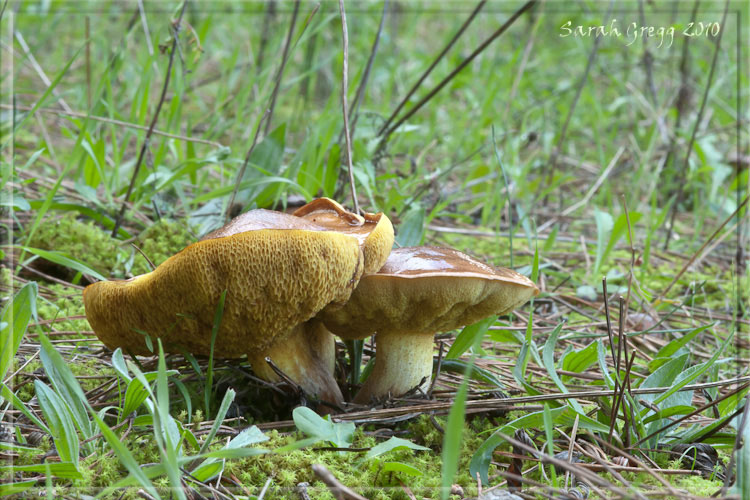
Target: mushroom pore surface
(274,278)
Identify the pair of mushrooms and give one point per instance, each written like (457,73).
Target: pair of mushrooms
(290,281)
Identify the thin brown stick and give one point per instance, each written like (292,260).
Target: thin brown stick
(632,257)
(437,371)
(280,72)
(241,173)
(697,411)
(583,474)
(344,91)
(143,254)
(337,489)
(738,443)
(700,250)
(268,16)
(113,122)
(283,376)
(359,95)
(648,59)
(521,70)
(384,135)
(681,102)
(549,168)
(147,139)
(698,119)
(432,66)
(617,451)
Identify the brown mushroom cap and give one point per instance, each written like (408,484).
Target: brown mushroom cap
(427,290)
(421,291)
(278,269)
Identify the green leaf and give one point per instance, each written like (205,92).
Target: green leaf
(519,369)
(548,359)
(211,466)
(67,470)
(411,229)
(669,412)
(480,462)
(401,467)
(394,443)
(58,419)
(66,385)
(218,315)
(18,404)
(601,357)
(170,447)
(223,408)
(742,484)
(339,435)
(16,487)
(125,456)
(14,200)
(118,363)
(692,373)
(268,155)
(455,426)
(618,230)
(15,319)
(663,377)
(225,190)
(578,361)
(136,394)
(63,259)
(478,373)
(469,336)
(549,434)
(50,88)
(535,263)
(674,345)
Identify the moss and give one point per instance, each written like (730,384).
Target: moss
(366,477)
(87,242)
(159,242)
(65,302)
(83,241)
(698,485)
(6,277)
(26,391)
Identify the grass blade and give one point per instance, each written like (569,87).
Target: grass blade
(66,386)
(64,260)
(455,425)
(209,389)
(57,415)
(15,320)
(125,456)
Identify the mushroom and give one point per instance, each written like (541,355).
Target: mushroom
(419,292)
(278,271)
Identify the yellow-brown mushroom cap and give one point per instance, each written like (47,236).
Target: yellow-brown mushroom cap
(275,279)
(427,290)
(374,231)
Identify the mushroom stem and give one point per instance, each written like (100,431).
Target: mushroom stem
(401,363)
(306,355)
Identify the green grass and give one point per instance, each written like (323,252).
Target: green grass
(472,170)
